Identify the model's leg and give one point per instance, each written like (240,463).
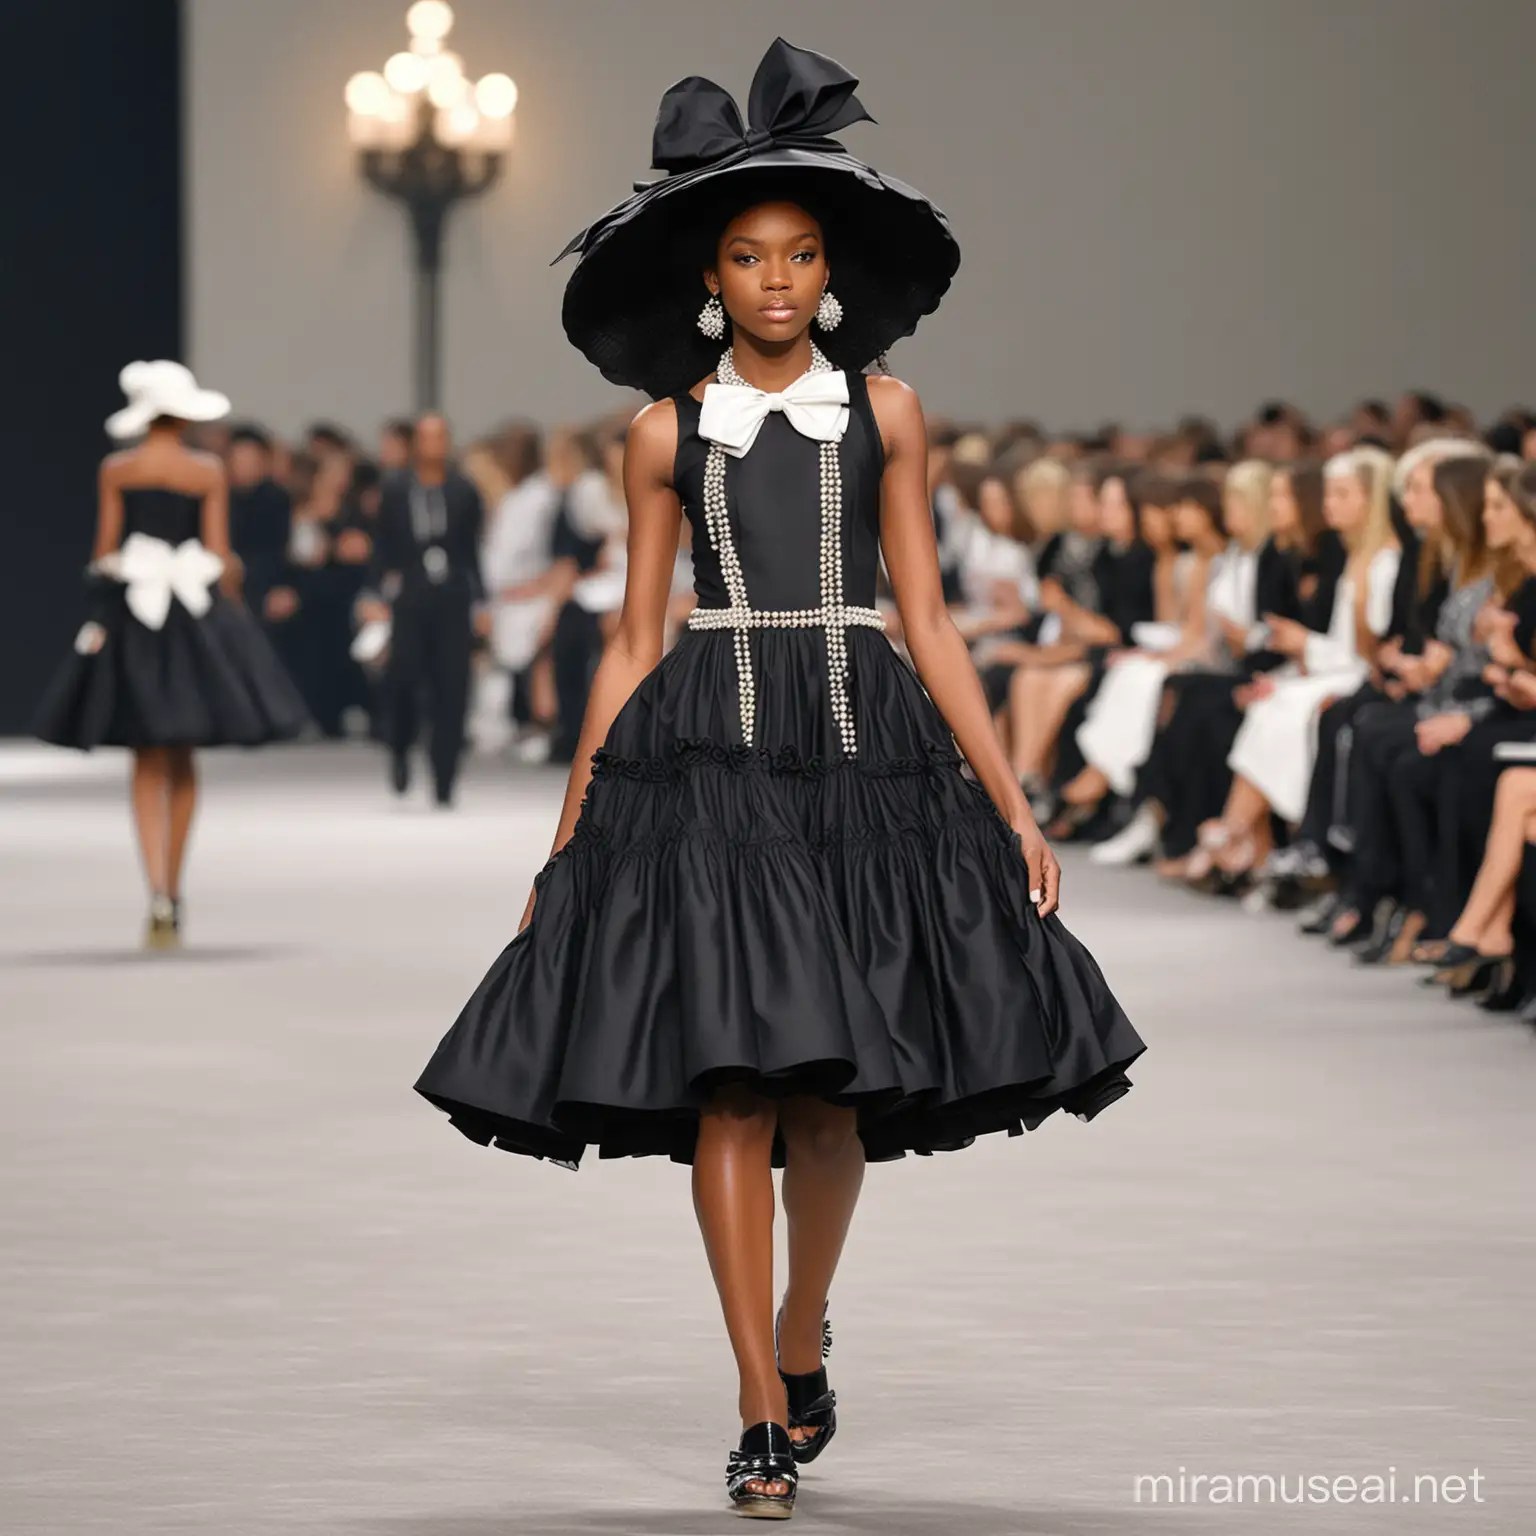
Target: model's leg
(449,676)
(733,1198)
(823,1173)
(183,803)
(152,815)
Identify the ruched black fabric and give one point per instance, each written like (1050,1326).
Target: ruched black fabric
(197,682)
(783,914)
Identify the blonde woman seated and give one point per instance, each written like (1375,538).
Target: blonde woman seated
(1272,757)
(1214,581)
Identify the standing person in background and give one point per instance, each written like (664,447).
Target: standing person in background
(426,581)
(519,567)
(260,515)
(396,439)
(314,603)
(170,659)
(590,532)
(324,440)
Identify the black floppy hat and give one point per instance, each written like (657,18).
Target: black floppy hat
(632,303)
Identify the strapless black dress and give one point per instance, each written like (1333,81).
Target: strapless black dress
(197,680)
(850,924)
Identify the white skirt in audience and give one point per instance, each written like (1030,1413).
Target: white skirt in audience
(1116,735)
(1276,744)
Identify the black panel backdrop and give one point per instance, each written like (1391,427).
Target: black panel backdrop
(90,278)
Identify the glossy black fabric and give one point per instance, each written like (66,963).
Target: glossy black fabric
(853,927)
(198,682)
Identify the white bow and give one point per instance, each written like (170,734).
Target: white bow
(155,571)
(816,405)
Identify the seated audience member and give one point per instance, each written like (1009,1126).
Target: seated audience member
(1272,755)
(1474,762)
(1209,584)
(1060,662)
(1433,690)
(1271,566)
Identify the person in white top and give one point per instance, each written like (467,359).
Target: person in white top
(1116,736)
(518,560)
(995,567)
(1273,754)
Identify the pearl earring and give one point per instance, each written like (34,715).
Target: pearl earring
(829,313)
(712,318)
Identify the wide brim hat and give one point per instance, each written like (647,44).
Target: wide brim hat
(632,304)
(163,388)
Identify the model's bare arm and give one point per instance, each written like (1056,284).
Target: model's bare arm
(937,649)
(636,644)
(109,510)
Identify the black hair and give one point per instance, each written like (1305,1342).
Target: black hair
(1206,495)
(329,434)
(1431,408)
(249,432)
(365,476)
(1505,437)
(402,427)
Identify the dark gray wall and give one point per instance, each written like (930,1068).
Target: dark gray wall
(90,252)
(1164,204)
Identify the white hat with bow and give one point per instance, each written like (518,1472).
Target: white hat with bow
(163,388)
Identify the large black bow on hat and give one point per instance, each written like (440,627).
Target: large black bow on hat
(798,100)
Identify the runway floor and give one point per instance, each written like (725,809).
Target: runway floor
(249,1283)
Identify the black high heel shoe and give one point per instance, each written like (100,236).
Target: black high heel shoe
(765,1455)
(1451,966)
(812,1403)
(1379,943)
(1479,976)
(1506,991)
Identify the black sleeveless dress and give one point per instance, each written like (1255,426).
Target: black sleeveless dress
(196,681)
(851,925)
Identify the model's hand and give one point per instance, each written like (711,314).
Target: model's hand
(1044,871)
(373,613)
(482,622)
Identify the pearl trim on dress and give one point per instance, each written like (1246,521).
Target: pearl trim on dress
(834,616)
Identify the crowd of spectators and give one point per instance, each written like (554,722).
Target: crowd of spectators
(1293,665)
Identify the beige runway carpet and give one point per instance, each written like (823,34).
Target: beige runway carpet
(250,1284)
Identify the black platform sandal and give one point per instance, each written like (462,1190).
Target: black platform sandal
(764,1456)
(812,1403)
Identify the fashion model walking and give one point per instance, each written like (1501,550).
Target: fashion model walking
(170,659)
(797,914)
